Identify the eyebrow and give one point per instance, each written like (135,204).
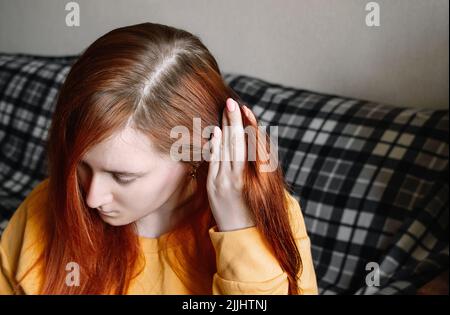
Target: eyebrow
(118,172)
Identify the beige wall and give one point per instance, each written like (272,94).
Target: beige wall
(322,45)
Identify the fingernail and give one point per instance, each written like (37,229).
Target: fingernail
(231,105)
(245,110)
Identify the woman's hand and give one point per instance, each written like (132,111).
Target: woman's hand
(225,174)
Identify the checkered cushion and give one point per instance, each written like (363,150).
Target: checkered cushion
(28,90)
(371,179)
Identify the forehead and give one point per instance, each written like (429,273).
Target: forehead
(125,148)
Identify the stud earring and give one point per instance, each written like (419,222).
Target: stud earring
(193,172)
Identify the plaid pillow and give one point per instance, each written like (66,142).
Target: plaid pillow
(371,180)
(28,90)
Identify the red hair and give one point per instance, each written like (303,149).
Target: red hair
(155,77)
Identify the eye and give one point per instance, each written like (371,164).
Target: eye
(122,180)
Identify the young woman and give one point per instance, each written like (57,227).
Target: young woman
(119,215)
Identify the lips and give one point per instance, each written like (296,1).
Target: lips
(107,213)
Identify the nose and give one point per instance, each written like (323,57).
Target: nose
(98,193)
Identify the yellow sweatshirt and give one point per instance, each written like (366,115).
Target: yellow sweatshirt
(244,263)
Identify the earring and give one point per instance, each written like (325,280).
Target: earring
(193,172)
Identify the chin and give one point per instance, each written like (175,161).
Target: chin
(114,221)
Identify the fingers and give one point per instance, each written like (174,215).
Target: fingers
(226,157)
(249,114)
(215,158)
(255,145)
(234,138)
(229,151)
(252,133)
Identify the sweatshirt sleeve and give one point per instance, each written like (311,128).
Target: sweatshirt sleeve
(18,240)
(10,247)
(245,265)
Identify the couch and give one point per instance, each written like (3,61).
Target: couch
(371,178)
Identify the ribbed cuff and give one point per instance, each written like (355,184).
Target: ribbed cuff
(244,255)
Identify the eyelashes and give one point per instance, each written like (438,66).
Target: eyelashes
(123,181)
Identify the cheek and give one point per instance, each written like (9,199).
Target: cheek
(138,198)
(149,193)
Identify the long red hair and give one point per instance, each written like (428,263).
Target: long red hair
(156,77)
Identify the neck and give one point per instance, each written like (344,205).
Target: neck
(164,219)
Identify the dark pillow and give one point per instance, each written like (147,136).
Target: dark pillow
(28,91)
(372,181)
